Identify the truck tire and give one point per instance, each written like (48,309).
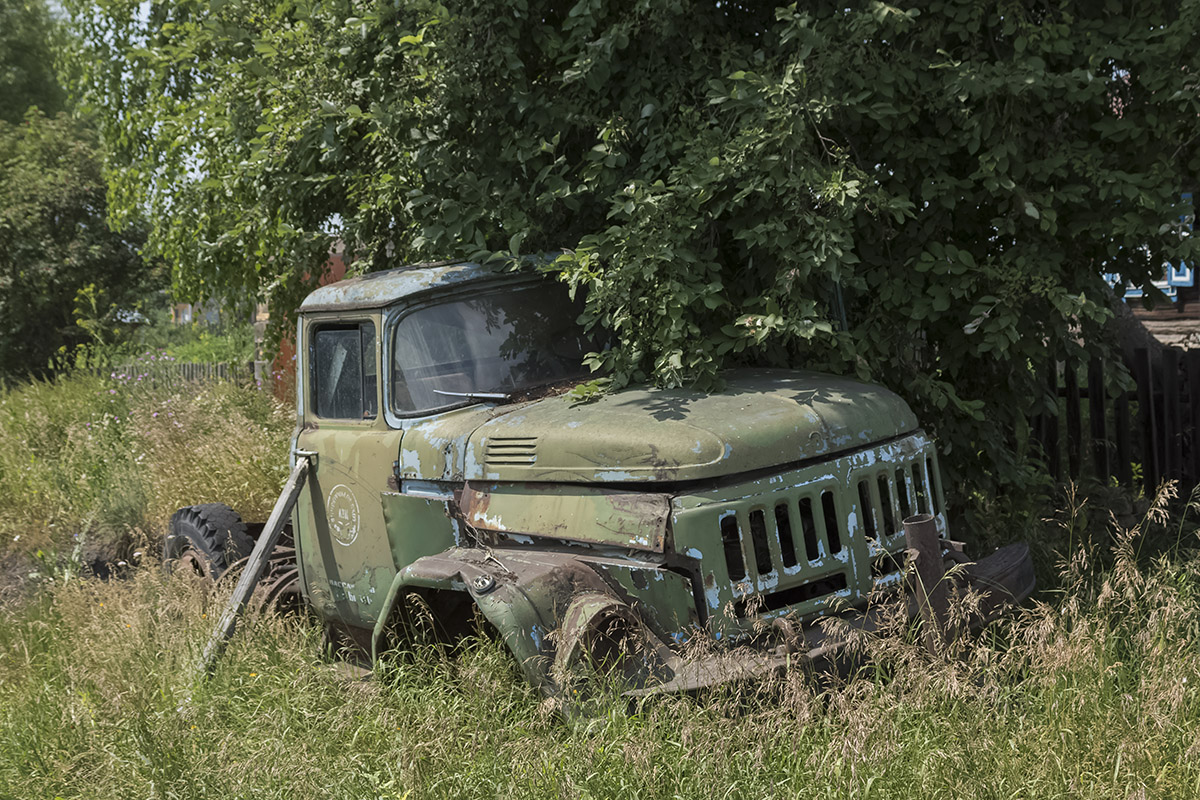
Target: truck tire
(209,537)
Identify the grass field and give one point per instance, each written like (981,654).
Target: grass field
(1089,692)
(106,460)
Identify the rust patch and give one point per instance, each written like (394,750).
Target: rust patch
(635,520)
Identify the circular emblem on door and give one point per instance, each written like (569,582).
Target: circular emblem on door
(341,509)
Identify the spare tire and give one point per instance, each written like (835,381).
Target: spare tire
(209,537)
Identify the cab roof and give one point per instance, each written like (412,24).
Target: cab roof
(378,289)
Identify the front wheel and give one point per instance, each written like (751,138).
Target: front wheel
(206,539)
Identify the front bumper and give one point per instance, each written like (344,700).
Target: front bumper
(559,615)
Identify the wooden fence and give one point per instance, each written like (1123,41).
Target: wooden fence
(172,371)
(1145,435)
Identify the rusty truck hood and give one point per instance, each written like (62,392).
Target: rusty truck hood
(763,418)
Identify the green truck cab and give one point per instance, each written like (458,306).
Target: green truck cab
(452,472)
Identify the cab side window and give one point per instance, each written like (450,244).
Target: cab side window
(344,378)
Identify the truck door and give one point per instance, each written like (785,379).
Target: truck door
(345,560)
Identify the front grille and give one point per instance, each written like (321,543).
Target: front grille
(761,550)
(512,451)
(797,540)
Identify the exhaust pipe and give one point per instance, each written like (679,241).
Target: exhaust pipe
(927,581)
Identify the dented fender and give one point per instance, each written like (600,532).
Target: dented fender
(535,601)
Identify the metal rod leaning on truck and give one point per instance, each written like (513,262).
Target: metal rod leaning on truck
(253,570)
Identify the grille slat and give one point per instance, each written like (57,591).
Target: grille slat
(758,538)
(867,509)
(731,541)
(811,549)
(887,504)
(903,494)
(783,525)
(832,525)
(919,484)
(935,485)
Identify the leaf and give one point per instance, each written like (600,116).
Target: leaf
(514,243)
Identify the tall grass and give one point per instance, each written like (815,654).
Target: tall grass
(1090,693)
(110,458)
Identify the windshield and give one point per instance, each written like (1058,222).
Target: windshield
(500,343)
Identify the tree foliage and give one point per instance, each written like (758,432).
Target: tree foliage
(60,264)
(27,60)
(63,272)
(924,195)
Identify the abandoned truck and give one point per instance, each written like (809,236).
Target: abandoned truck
(449,468)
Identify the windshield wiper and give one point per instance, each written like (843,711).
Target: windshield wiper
(504,398)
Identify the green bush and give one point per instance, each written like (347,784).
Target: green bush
(924,195)
(228,344)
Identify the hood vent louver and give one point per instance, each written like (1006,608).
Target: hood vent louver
(510,451)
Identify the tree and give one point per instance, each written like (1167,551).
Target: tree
(63,272)
(924,196)
(27,60)
(56,250)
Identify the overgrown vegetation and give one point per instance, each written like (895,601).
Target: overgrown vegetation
(110,458)
(1093,694)
(925,195)
(226,341)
